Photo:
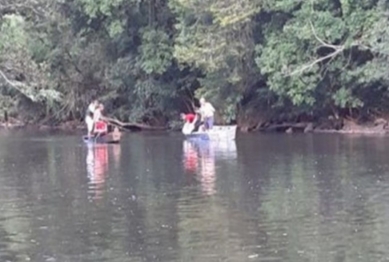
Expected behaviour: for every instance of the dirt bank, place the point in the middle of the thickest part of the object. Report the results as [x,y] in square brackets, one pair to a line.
[341,126]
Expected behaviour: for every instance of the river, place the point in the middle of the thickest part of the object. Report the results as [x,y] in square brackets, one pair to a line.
[156,197]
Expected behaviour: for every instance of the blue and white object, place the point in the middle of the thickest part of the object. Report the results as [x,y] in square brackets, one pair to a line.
[217,133]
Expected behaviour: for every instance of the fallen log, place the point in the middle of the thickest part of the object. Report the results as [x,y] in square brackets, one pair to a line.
[132,126]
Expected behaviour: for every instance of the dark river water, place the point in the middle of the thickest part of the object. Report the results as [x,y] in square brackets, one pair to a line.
[156,197]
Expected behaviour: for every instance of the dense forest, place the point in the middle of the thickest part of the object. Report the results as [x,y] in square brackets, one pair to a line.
[148,60]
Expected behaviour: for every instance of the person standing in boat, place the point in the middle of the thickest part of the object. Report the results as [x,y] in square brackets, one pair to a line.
[207,113]
[89,118]
[101,127]
[197,121]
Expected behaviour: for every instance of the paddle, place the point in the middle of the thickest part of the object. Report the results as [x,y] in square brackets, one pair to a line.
[96,136]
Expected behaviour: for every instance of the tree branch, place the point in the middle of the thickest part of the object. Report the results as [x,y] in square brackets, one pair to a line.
[10,8]
[14,84]
[17,85]
[321,40]
[310,65]
[337,49]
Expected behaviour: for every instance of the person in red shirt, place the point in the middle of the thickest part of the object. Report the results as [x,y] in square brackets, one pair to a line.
[190,122]
[188,118]
[101,127]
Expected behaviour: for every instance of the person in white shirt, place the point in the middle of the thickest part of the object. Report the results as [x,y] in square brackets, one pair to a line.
[89,118]
[98,112]
[207,113]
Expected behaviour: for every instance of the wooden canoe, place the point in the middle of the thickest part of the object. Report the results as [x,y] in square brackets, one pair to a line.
[110,138]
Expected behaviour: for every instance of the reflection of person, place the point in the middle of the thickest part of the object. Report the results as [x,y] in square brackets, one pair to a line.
[97,167]
[208,172]
[207,113]
[205,167]
[190,157]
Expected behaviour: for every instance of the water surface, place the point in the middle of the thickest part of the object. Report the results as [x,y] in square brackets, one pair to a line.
[156,197]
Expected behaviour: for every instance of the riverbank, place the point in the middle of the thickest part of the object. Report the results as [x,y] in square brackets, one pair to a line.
[330,125]
[340,126]
[73,126]
[17,124]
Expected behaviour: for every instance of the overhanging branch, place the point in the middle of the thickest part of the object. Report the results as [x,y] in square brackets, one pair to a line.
[16,85]
[337,50]
[321,59]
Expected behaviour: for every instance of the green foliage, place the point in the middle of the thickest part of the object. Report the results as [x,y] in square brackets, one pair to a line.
[149,60]
[21,73]
[322,52]
[13,35]
[155,51]
[216,37]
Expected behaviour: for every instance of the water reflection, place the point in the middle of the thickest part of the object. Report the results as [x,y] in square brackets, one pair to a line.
[281,198]
[207,171]
[97,160]
[200,157]
[191,157]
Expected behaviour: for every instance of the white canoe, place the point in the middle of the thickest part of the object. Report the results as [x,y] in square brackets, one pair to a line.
[217,133]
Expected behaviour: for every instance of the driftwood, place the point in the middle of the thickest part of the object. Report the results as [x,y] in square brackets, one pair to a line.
[132,126]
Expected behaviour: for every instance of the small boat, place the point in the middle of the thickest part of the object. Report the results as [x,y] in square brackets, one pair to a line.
[110,138]
[217,133]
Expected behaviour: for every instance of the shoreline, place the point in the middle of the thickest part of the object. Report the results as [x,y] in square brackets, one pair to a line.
[380,127]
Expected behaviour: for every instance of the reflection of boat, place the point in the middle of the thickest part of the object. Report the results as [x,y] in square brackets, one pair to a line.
[200,157]
[217,133]
[110,138]
[221,149]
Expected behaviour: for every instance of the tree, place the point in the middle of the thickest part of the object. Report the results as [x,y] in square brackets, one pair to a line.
[217,37]
[21,72]
[319,54]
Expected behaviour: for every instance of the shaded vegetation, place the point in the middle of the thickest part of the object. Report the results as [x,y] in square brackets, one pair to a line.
[257,61]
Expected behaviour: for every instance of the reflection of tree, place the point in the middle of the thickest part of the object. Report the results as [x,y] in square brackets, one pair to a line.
[116,152]
[316,206]
[300,200]
[45,213]
[205,224]
[153,176]
[13,233]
